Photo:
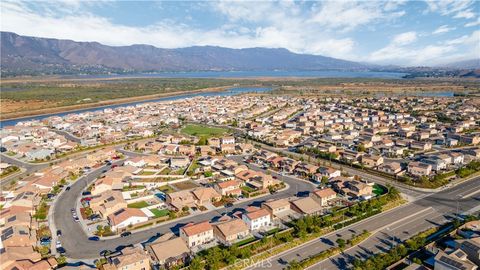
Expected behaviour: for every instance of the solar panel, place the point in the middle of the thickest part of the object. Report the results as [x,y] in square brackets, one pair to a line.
[12,219]
[452,263]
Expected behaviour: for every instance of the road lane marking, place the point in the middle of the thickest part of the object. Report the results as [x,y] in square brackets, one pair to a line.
[402,219]
[470,194]
[408,222]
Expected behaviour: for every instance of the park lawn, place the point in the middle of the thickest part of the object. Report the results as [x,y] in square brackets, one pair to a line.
[201,130]
[140,204]
[159,213]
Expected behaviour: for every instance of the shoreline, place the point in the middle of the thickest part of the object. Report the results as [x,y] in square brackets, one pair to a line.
[106,103]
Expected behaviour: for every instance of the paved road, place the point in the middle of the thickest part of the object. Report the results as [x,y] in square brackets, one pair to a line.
[390,227]
[76,242]
[29,168]
[67,135]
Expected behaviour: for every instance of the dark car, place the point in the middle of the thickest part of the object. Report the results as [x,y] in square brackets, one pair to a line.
[50,195]
[229,204]
[86,193]
[94,238]
[61,250]
[59,233]
[67,189]
[125,234]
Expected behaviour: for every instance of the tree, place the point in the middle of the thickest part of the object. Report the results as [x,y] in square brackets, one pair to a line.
[341,243]
[208,174]
[196,264]
[361,148]
[294,265]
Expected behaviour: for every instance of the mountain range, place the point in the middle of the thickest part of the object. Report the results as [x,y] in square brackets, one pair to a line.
[24,55]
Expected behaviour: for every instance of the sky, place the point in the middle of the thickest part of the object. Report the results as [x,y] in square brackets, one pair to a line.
[408,33]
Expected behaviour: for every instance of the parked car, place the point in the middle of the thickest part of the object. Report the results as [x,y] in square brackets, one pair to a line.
[229,204]
[59,233]
[58,244]
[72,210]
[68,188]
[86,193]
[125,234]
[94,238]
[45,241]
[76,219]
[61,250]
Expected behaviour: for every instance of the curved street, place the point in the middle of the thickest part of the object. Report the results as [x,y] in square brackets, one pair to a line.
[75,240]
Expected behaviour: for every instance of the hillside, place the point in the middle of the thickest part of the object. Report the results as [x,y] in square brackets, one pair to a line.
[22,55]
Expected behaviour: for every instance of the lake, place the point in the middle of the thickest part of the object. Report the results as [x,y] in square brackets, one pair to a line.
[229,92]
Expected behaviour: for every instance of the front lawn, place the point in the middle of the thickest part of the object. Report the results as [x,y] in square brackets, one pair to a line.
[201,130]
[159,213]
[140,204]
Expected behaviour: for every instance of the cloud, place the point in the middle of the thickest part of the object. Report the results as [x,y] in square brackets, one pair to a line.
[465,47]
[474,23]
[348,15]
[443,29]
[404,38]
[465,14]
[330,28]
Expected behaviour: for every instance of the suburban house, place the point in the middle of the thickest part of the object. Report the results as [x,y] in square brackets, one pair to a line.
[419,169]
[323,196]
[204,195]
[179,162]
[372,160]
[169,253]
[230,187]
[306,206]
[256,220]
[231,231]
[197,234]
[180,199]
[276,208]
[327,172]
[131,259]
[108,203]
[456,260]
[126,217]
[391,167]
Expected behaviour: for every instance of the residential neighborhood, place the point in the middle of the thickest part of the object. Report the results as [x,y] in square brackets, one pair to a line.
[163,164]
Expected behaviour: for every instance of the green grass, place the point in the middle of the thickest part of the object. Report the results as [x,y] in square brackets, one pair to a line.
[201,130]
[139,204]
[247,189]
[159,213]
[378,190]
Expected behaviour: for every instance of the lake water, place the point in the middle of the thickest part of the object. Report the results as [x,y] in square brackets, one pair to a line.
[256,74]
[229,92]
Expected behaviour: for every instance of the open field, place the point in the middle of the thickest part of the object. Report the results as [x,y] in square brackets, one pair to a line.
[35,96]
[203,131]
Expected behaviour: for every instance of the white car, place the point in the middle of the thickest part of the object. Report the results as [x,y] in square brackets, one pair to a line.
[58,244]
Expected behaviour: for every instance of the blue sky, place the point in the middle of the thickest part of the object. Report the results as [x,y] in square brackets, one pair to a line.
[384,32]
